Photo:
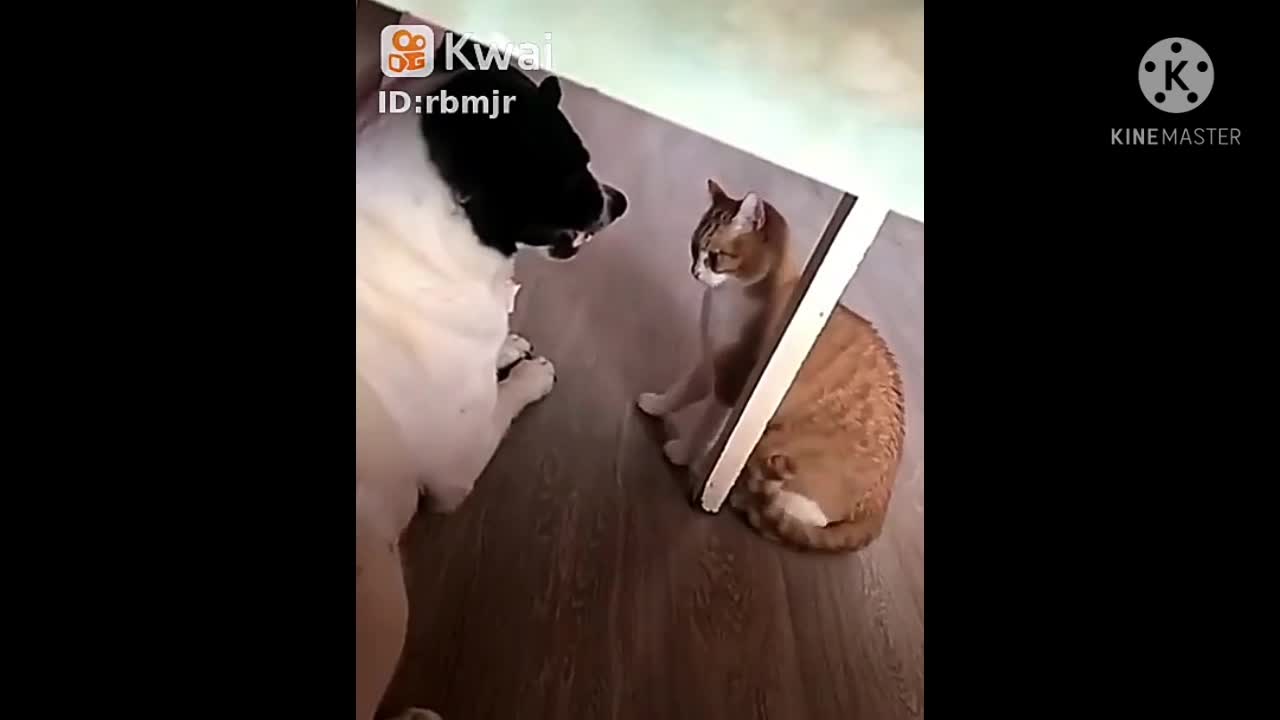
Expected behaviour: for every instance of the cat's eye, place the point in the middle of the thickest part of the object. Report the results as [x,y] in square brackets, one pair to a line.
[716,256]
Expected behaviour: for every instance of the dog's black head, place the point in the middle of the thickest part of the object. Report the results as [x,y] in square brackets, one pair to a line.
[514,162]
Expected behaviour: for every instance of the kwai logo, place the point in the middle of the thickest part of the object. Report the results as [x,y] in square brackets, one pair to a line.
[408,51]
[497,53]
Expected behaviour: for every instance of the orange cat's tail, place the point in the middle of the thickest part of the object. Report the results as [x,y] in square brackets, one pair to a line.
[847,536]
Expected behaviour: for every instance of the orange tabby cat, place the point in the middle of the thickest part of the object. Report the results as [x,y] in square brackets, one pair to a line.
[822,474]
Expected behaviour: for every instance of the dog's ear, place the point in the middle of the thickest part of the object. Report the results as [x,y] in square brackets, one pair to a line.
[550,90]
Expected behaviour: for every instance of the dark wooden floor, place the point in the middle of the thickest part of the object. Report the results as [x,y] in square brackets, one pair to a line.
[578,582]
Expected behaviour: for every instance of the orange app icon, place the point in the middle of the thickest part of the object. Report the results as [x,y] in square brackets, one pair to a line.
[407,50]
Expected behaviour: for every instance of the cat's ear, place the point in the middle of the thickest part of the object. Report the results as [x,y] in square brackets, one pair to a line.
[549,90]
[714,189]
[780,465]
[751,212]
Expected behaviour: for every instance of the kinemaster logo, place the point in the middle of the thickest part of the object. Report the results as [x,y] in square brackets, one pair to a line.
[1176,77]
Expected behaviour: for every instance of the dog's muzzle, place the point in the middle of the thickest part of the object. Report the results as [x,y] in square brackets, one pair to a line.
[615,205]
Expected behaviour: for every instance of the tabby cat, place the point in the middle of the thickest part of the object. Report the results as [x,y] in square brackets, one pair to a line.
[822,475]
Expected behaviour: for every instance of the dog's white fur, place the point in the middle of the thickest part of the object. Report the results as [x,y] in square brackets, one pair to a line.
[432,308]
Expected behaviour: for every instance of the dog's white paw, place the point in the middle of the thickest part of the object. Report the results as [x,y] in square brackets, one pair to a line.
[531,379]
[652,404]
[514,349]
[677,452]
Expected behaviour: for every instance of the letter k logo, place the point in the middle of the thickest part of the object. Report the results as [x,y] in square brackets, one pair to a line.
[1175,75]
[1172,75]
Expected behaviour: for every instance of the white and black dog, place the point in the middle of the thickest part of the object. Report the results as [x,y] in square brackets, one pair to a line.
[443,202]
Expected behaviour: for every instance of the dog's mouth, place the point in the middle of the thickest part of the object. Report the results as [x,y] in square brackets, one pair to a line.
[567,245]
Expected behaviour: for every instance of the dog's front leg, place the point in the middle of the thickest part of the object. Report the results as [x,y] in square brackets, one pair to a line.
[527,382]
[514,349]
[382,616]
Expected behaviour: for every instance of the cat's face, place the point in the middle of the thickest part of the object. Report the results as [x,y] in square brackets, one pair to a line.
[728,243]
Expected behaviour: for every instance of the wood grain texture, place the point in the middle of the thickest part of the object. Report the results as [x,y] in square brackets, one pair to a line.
[578,581]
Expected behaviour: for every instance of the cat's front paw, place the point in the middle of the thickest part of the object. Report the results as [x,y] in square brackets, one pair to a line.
[652,404]
[677,452]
